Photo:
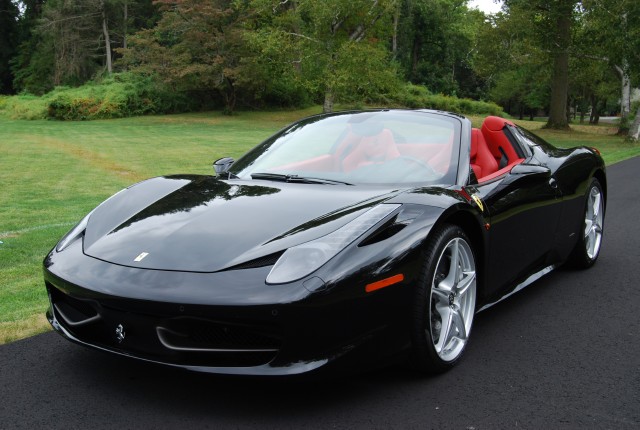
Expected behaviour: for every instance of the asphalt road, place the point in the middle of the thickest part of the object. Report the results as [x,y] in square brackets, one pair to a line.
[564,353]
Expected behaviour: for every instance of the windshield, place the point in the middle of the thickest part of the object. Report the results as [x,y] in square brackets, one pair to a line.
[381,147]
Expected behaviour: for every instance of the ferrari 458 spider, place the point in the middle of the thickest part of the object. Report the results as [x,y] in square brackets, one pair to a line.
[346,238]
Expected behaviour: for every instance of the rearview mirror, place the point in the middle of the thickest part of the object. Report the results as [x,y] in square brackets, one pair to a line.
[222,165]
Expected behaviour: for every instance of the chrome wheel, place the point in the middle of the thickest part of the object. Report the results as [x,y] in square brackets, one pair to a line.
[452,299]
[593,222]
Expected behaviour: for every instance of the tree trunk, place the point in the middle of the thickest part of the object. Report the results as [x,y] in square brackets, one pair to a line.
[107,40]
[596,113]
[625,100]
[394,41]
[327,106]
[594,108]
[634,130]
[560,79]
[229,97]
[415,56]
[124,23]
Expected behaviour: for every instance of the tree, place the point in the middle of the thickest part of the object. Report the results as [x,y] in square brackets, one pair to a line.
[513,63]
[436,45]
[552,21]
[333,47]
[195,46]
[67,42]
[614,28]
[9,33]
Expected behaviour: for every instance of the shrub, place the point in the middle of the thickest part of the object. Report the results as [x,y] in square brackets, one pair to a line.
[24,106]
[418,96]
[119,95]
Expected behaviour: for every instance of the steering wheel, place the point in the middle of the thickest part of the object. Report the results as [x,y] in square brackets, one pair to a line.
[416,161]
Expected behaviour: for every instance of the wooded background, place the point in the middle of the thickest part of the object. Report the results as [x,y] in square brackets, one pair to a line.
[560,58]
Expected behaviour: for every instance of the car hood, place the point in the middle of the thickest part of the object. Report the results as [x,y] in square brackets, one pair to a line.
[203,224]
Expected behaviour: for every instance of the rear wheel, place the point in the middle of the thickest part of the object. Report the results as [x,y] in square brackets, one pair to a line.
[445,301]
[587,249]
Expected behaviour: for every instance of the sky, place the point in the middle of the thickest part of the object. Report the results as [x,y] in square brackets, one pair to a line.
[487,6]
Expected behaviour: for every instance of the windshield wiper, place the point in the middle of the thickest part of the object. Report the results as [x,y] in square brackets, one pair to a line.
[295,179]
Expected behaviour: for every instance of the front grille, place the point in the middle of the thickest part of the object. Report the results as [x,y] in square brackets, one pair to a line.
[199,334]
[180,340]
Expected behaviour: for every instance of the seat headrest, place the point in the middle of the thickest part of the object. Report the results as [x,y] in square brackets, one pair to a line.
[495,123]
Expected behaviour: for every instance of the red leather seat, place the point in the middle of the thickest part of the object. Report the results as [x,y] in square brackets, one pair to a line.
[483,162]
[371,150]
[497,141]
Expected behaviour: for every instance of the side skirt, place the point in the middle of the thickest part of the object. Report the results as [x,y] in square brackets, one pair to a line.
[531,279]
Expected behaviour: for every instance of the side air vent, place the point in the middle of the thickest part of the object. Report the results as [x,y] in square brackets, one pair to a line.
[383,234]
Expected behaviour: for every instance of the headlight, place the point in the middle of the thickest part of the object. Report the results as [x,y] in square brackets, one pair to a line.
[73,234]
[301,260]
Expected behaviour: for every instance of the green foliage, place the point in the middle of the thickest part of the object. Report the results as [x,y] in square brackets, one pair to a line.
[419,97]
[333,48]
[8,39]
[117,96]
[436,45]
[24,106]
[196,46]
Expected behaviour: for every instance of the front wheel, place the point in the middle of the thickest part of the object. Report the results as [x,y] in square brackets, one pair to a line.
[587,249]
[445,301]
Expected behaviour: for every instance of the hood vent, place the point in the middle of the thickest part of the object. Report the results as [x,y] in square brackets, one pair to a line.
[267,260]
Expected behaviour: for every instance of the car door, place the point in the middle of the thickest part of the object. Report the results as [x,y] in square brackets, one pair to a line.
[524,206]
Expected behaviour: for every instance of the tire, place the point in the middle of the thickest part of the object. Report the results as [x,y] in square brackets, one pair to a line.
[587,249]
[445,300]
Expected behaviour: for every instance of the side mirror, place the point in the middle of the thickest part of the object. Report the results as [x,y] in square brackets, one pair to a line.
[222,165]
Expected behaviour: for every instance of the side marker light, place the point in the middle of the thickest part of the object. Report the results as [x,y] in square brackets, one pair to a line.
[384,283]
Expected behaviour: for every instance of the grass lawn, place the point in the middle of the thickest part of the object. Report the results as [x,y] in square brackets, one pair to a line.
[52,173]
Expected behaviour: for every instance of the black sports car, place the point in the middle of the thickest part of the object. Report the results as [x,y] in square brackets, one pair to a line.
[343,239]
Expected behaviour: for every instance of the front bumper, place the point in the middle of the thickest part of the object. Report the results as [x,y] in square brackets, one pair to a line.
[227,323]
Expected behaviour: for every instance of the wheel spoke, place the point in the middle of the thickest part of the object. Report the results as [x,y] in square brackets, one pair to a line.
[452,277]
[458,324]
[468,279]
[440,295]
[445,331]
[596,204]
[588,224]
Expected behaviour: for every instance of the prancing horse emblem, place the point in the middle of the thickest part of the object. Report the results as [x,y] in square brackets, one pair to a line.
[120,333]
[478,202]
[141,256]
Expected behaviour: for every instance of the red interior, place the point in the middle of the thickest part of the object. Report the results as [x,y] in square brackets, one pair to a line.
[357,151]
[492,130]
[482,161]
[371,150]
[486,145]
